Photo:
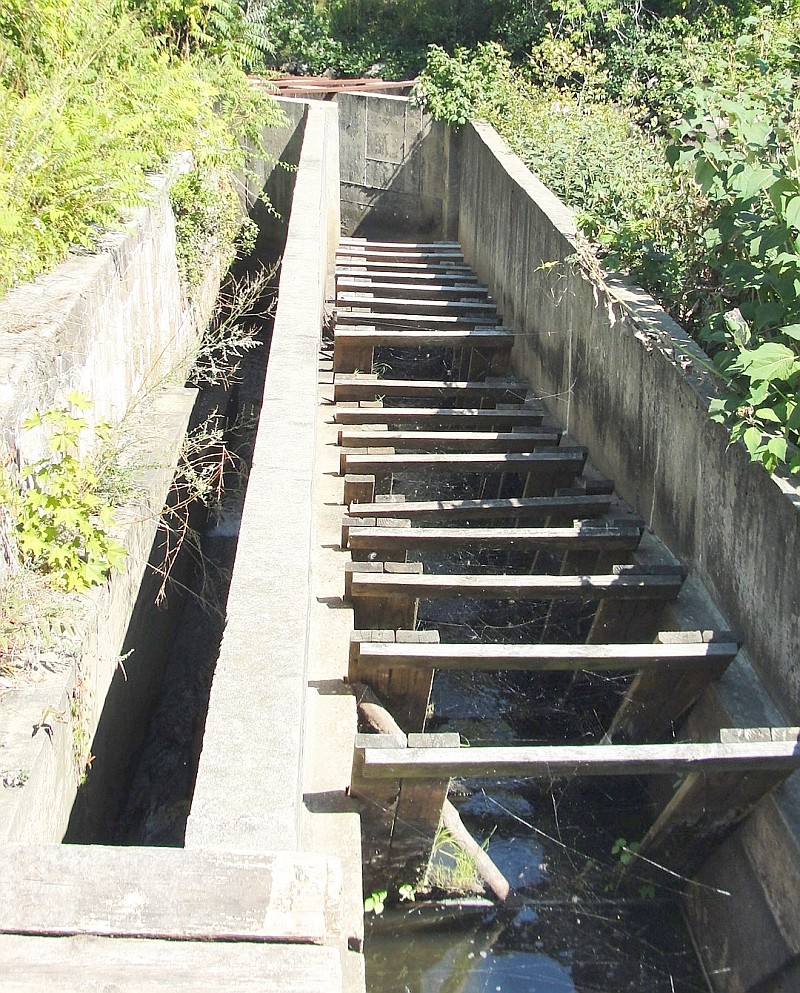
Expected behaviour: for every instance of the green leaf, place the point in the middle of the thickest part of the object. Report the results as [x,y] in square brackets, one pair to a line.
[792,331]
[767,362]
[752,440]
[752,181]
[778,447]
[791,212]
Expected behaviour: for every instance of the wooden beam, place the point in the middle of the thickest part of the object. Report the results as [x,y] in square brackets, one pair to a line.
[406,691]
[430,322]
[370,388]
[390,612]
[367,252]
[87,963]
[453,441]
[167,893]
[539,658]
[430,275]
[352,345]
[656,700]
[380,539]
[474,418]
[354,242]
[706,807]
[562,761]
[553,467]
[529,508]
[411,290]
[368,584]
[397,305]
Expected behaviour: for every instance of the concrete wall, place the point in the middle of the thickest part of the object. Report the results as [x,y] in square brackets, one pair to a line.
[114,325]
[118,326]
[396,164]
[610,364]
[248,792]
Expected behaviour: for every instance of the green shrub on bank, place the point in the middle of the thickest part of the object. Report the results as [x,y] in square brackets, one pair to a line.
[89,102]
[704,214]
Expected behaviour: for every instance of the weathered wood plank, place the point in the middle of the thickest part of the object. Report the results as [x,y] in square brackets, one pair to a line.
[413,337]
[380,539]
[555,761]
[542,658]
[87,964]
[353,242]
[168,893]
[432,275]
[566,462]
[408,290]
[370,388]
[656,700]
[367,252]
[346,266]
[399,305]
[529,508]
[453,441]
[475,418]
[432,322]
[705,807]
[524,587]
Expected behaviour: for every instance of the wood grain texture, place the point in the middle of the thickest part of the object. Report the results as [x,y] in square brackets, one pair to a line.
[546,658]
[349,387]
[518,587]
[453,441]
[125,965]
[528,508]
[521,538]
[169,893]
[475,418]
[554,761]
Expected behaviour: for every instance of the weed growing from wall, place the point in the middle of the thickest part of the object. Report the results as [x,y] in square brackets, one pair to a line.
[60,523]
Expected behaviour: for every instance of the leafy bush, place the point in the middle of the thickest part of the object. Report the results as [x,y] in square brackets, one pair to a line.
[743,153]
[88,104]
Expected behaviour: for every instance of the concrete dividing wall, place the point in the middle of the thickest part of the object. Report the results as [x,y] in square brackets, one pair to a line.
[248,792]
[396,169]
[627,382]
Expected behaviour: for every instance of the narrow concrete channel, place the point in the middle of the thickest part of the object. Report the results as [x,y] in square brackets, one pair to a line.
[487,566]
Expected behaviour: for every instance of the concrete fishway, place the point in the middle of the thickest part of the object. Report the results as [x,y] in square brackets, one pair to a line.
[598,558]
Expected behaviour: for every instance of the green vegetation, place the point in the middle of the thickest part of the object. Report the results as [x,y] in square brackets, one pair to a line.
[671,128]
[61,520]
[93,95]
[675,138]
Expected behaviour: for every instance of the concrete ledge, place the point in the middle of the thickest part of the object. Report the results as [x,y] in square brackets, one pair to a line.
[256,710]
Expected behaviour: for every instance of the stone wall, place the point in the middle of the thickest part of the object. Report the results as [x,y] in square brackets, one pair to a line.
[118,326]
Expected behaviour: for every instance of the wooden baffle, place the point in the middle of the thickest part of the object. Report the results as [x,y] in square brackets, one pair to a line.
[673,671]
[721,781]
[400,817]
[567,541]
